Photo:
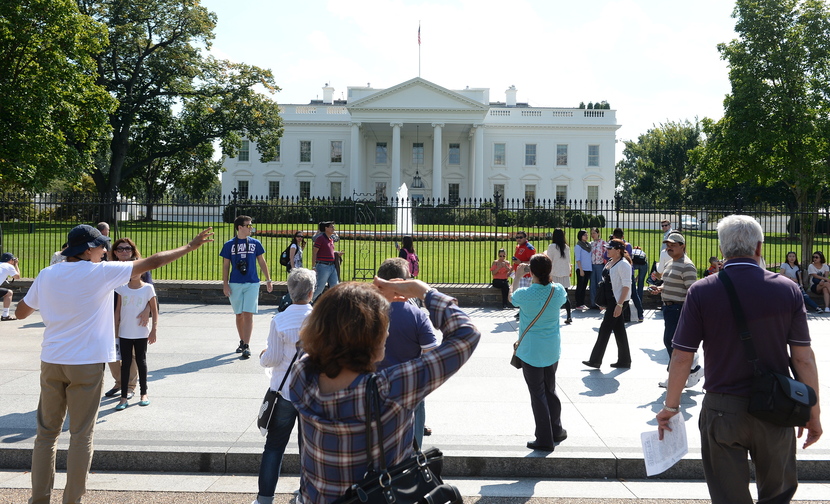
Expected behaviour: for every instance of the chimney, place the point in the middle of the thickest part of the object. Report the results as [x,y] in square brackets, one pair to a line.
[511,96]
[328,94]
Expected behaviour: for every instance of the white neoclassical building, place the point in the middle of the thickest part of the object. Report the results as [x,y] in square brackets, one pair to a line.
[442,143]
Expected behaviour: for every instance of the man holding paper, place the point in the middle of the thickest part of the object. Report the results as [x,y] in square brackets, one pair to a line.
[777,321]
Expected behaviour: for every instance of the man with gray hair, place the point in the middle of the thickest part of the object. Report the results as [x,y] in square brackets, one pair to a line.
[727,431]
[410,333]
[278,357]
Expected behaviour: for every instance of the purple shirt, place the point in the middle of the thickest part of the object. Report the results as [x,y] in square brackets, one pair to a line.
[410,333]
[775,314]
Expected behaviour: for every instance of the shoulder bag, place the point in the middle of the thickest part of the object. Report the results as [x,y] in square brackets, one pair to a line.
[605,290]
[775,398]
[416,480]
[266,417]
[515,361]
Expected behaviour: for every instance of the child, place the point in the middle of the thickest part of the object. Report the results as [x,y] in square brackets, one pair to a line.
[714,266]
[133,299]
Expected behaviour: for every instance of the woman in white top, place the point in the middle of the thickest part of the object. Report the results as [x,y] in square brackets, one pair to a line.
[618,272]
[792,270]
[818,271]
[295,251]
[560,255]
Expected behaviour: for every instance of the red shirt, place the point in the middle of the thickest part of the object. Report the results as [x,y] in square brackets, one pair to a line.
[523,253]
[325,248]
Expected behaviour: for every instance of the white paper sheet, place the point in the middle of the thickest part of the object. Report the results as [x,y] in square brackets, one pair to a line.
[661,455]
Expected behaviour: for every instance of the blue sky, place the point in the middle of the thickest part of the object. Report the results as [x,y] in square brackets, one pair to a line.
[653,60]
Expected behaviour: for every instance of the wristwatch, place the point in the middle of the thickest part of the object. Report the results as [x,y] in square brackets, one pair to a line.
[670,409]
[620,305]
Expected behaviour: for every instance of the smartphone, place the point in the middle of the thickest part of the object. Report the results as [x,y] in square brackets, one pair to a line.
[396,246]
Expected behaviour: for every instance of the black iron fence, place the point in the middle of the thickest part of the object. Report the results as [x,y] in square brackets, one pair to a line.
[455,240]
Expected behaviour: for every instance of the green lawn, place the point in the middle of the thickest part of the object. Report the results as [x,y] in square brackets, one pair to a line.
[451,259]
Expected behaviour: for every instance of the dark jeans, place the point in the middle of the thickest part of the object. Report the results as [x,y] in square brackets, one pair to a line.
[501,283]
[275,443]
[547,409]
[671,316]
[596,277]
[638,278]
[611,323]
[128,346]
[581,284]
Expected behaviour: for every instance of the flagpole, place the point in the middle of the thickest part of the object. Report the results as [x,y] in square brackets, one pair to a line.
[419,48]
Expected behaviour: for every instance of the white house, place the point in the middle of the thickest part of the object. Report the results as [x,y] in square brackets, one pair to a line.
[441,143]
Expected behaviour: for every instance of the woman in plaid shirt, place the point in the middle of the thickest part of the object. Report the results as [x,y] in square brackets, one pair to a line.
[343,338]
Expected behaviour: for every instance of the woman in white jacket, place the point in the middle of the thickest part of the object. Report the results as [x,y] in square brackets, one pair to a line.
[618,272]
[560,255]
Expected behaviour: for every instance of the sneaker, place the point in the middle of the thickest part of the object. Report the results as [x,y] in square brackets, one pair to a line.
[240,347]
[663,384]
[819,310]
[12,317]
[694,377]
[246,353]
[826,310]
[581,307]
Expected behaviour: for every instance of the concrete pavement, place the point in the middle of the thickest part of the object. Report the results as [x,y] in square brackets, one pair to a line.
[204,402]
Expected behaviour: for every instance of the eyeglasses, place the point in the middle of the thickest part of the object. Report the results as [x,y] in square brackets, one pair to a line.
[298,236]
[248,225]
[521,238]
[664,225]
[123,249]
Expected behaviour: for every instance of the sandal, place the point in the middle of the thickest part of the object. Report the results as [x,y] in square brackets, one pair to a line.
[10,317]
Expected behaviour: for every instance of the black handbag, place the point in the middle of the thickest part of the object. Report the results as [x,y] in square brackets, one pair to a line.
[515,361]
[265,418]
[775,398]
[416,480]
[605,291]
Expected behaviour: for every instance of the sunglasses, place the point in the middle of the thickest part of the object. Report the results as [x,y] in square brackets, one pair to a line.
[248,225]
[123,249]
[816,257]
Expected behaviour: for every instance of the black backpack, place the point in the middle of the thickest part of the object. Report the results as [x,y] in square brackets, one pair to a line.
[285,257]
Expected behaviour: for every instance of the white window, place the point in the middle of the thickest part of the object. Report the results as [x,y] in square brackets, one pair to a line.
[562,155]
[593,155]
[530,195]
[242,189]
[274,189]
[380,190]
[454,192]
[305,189]
[561,193]
[454,157]
[380,153]
[499,154]
[279,153]
[336,151]
[245,151]
[305,151]
[418,153]
[530,154]
[593,192]
[336,190]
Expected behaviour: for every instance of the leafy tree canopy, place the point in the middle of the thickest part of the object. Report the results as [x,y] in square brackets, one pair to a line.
[51,111]
[174,100]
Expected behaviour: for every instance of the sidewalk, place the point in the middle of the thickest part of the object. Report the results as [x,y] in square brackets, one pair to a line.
[204,403]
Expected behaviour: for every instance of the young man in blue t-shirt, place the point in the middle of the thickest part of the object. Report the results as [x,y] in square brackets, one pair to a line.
[240,282]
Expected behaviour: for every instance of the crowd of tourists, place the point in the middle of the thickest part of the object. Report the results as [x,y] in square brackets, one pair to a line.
[341,354]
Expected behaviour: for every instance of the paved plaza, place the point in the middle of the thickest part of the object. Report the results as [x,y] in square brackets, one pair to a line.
[200,429]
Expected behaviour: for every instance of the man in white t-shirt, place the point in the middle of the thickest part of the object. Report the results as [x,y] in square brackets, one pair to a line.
[8,269]
[75,302]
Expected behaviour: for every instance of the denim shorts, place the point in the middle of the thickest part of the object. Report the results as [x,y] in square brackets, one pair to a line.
[245,297]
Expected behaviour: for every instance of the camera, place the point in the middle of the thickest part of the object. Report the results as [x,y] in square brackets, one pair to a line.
[242,266]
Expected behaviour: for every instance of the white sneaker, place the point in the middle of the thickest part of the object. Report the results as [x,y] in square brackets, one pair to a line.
[664,383]
[827,310]
[694,377]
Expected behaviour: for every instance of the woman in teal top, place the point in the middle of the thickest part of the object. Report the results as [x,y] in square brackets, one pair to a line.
[539,350]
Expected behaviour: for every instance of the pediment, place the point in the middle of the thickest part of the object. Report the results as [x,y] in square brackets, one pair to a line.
[305,174]
[334,174]
[416,94]
[498,178]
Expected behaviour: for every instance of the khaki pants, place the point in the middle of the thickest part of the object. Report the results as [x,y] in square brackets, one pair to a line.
[76,389]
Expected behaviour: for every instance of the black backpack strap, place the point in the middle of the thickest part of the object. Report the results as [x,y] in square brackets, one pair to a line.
[740,318]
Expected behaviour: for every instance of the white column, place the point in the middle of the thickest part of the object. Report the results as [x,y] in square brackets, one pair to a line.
[396,159]
[354,162]
[437,156]
[478,188]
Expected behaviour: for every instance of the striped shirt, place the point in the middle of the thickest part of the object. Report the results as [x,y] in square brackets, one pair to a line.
[282,344]
[333,454]
[678,276]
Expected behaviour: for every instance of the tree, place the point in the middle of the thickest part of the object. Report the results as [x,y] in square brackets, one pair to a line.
[51,110]
[173,99]
[776,124]
[657,166]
